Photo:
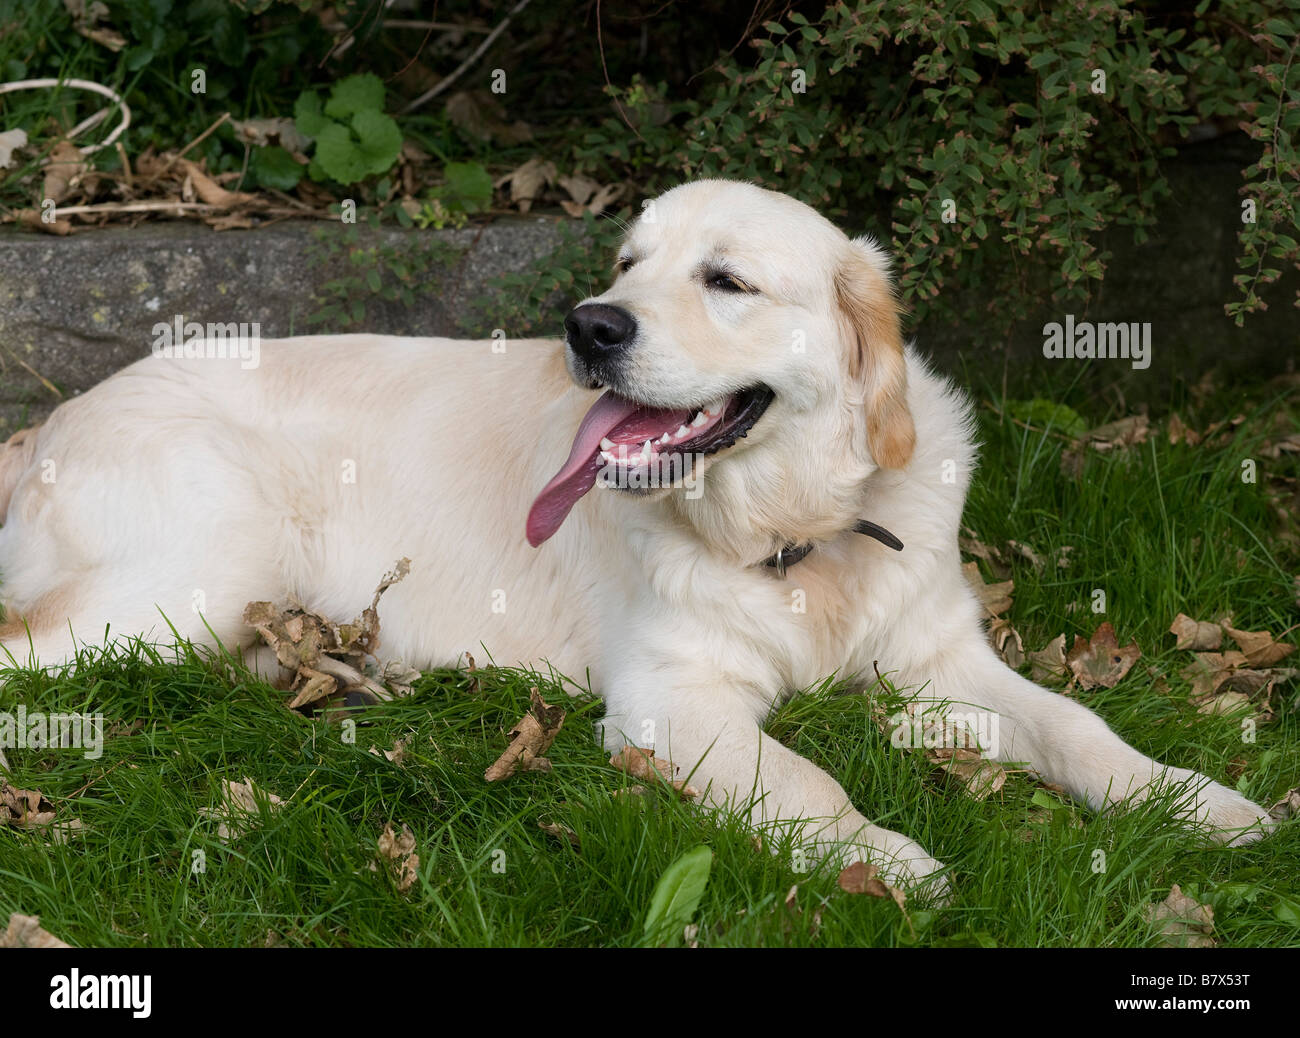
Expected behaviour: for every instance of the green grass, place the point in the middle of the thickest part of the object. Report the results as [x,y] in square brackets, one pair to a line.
[1161,528]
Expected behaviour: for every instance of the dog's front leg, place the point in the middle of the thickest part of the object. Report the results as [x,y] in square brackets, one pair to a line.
[710,730]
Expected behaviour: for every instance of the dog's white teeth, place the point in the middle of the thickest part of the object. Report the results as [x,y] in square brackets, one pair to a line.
[682,432]
[645,451]
[714,409]
[699,419]
[607,444]
[664,438]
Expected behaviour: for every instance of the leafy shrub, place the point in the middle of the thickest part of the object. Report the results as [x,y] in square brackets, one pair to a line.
[1003,140]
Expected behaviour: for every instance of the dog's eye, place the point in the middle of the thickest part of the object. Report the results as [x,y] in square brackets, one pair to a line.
[725,282]
[623,264]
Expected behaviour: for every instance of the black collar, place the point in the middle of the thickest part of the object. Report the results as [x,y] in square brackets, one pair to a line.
[793,553]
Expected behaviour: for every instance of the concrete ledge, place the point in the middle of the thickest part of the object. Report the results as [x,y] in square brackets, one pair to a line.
[74,310]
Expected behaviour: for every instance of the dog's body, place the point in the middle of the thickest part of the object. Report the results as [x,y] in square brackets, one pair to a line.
[184,483]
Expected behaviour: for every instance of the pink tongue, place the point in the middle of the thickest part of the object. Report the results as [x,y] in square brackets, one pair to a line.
[578,475]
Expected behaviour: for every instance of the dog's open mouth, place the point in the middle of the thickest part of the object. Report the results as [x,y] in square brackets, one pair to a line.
[629,439]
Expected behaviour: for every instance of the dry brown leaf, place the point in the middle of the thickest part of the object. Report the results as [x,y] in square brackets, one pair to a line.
[605,197]
[480,114]
[1287,807]
[315,686]
[280,130]
[1005,640]
[86,16]
[398,852]
[1181,922]
[979,776]
[1197,635]
[861,878]
[1286,445]
[1227,426]
[239,808]
[209,191]
[580,188]
[1260,648]
[1126,432]
[1027,553]
[24,808]
[25,931]
[396,755]
[1226,704]
[529,739]
[970,544]
[64,169]
[562,832]
[1181,433]
[641,763]
[995,598]
[1049,661]
[1099,662]
[528,182]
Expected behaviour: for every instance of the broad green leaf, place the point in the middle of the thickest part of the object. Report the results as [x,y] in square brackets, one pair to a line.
[361,93]
[677,895]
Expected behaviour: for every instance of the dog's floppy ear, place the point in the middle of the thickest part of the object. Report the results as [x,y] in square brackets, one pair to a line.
[867,301]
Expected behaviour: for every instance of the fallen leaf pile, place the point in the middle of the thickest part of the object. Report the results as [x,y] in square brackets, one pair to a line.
[530,738]
[239,809]
[28,809]
[327,660]
[954,751]
[641,763]
[397,851]
[1232,680]
[1181,922]
[25,931]
[945,743]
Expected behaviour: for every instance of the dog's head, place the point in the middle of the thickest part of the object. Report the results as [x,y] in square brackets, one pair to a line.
[748,338]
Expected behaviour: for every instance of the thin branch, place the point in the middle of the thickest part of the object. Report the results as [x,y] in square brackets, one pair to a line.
[446,82]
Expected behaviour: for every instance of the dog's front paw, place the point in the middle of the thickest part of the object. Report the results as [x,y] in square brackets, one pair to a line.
[902,863]
[1229,817]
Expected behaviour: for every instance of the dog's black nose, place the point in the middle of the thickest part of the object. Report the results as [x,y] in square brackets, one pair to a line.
[597,332]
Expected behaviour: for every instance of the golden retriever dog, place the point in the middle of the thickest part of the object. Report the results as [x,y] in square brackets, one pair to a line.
[729,481]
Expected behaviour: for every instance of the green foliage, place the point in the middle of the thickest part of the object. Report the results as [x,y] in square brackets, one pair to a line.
[677,896]
[466,189]
[1002,140]
[366,268]
[274,167]
[527,302]
[354,138]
